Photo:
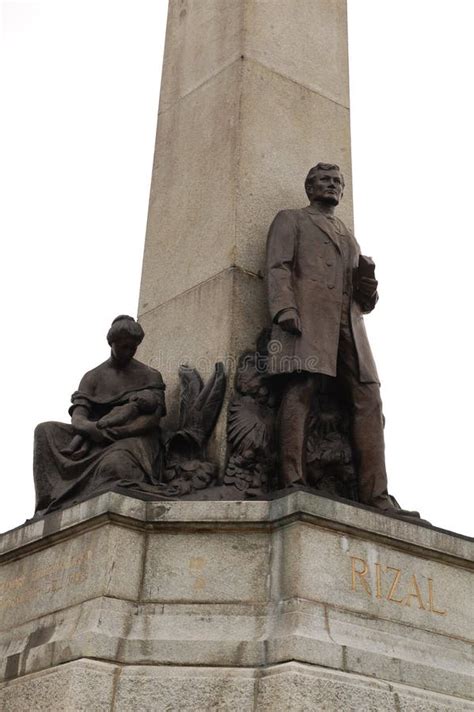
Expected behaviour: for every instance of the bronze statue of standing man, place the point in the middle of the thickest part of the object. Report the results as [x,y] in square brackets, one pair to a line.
[317,297]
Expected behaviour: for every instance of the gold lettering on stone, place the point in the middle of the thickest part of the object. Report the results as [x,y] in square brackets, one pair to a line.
[360,574]
[44,580]
[394,585]
[431,602]
[378,580]
[196,565]
[414,593]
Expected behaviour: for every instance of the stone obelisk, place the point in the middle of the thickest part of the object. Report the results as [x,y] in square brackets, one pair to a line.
[253,94]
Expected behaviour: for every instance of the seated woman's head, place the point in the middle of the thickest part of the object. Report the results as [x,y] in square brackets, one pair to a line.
[124,336]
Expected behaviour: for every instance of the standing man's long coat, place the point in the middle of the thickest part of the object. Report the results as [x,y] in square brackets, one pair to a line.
[307,264]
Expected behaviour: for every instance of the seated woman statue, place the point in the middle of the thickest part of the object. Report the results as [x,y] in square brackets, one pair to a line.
[114,437]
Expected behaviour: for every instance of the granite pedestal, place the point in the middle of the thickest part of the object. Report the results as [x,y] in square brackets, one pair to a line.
[300,603]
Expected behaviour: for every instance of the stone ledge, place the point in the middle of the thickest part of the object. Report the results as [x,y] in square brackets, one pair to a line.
[355,519]
[243,636]
[82,686]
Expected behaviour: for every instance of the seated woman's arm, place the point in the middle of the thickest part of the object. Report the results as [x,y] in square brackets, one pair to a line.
[88,428]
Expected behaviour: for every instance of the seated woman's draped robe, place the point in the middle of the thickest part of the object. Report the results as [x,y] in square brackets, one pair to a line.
[131,462]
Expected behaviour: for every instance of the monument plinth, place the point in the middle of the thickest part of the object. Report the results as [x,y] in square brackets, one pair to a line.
[300,603]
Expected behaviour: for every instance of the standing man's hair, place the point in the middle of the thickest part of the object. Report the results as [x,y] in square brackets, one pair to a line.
[321,167]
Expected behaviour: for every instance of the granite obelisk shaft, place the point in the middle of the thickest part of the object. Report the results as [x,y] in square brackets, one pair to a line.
[250,99]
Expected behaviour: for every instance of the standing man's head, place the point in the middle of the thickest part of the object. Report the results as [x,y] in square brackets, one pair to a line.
[324,184]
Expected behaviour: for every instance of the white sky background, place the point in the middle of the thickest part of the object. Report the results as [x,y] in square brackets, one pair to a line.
[80,89]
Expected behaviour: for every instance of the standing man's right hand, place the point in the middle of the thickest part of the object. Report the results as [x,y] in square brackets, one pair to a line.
[289,321]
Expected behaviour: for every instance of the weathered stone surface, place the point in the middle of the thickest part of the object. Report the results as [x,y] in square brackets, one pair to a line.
[56,524]
[238,584]
[246,145]
[106,561]
[192,201]
[81,686]
[161,690]
[215,306]
[416,592]
[409,700]
[242,635]
[92,686]
[375,646]
[202,39]
[201,567]
[329,513]
[201,327]
[306,42]
[304,689]
[298,687]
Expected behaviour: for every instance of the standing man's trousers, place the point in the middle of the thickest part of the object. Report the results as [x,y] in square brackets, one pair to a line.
[367,424]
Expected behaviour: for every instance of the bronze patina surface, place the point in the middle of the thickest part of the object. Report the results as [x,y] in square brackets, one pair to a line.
[319,288]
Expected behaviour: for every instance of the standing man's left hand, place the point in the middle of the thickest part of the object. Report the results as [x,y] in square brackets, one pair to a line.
[367,286]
